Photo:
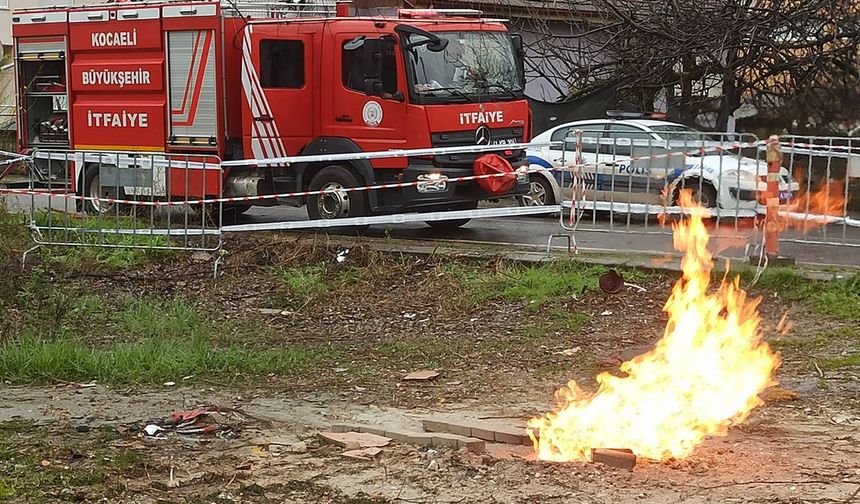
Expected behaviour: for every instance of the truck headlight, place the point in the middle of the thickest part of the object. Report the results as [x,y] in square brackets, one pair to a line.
[522,175]
[433,182]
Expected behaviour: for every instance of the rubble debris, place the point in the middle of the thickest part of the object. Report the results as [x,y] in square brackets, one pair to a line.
[363,454]
[621,458]
[841,419]
[208,419]
[776,395]
[201,256]
[352,438]
[421,376]
[152,429]
[480,430]
[611,282]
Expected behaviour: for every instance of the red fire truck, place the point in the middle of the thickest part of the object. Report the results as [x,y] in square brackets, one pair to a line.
[267,80]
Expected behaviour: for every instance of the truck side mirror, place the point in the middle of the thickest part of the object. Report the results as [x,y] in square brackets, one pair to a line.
[373,87]
[520,54]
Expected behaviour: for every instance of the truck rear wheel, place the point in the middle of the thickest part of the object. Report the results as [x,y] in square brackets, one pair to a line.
[92,187]
[335,202]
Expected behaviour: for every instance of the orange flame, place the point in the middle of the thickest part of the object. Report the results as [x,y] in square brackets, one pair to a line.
[828,200]
[702,377]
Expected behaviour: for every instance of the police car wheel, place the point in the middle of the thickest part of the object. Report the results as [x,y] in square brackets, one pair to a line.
[540,192]
[704,193]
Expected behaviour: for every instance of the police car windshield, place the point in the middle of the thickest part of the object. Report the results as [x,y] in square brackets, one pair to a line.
[479,64]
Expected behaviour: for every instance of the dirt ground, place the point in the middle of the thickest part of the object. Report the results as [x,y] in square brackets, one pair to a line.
[499,360]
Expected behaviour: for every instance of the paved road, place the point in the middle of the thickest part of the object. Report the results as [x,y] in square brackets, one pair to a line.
[594,235]
[601,235]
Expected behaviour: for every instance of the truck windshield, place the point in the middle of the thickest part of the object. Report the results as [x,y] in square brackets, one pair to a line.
[475,66]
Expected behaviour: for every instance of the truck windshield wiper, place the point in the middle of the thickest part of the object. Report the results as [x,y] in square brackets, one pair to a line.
[504,88]
[454,91]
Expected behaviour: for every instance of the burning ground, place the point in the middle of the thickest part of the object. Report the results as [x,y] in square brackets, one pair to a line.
[296,341]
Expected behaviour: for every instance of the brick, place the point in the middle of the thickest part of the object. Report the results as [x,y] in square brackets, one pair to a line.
[615,458]
[421,376]
[369,429]
[474,445]
[460,430]
[435,425]
[349,439]
[483,433]
[511,435]
[419,438]
[446,440]
[372,429]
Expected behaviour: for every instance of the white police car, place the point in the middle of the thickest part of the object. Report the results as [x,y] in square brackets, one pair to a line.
[718,179]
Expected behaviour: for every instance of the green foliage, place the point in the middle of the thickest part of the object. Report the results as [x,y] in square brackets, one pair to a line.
[30,358]
[839,298]
[535,284]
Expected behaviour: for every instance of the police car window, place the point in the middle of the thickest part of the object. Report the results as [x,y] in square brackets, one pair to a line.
[592,131]
[558,136]
[282,64]
[622,131]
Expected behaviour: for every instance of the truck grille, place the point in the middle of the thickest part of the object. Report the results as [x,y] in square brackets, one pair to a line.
[501,136]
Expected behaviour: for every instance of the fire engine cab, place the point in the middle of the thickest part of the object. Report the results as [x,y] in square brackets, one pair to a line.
[267,80]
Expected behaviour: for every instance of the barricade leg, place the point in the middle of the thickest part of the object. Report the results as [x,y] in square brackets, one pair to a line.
[772,223]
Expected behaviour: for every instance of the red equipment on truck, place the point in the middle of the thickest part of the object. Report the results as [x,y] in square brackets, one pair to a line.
[268,80]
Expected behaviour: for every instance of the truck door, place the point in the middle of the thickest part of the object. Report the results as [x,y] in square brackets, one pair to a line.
[276,80]
[367,103]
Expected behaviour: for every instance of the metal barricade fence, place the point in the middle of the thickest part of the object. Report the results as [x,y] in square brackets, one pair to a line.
[125,200]
[636,176]
[626,180]
[826,207]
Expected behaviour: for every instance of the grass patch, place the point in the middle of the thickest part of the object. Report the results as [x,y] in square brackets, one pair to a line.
[308,282]
[439,351]
[841,362]
[156,319]
[533,284]
[559,321]
[839,299]
[424,350]
[99,240]
[33,359]
[44,466]
[814,342]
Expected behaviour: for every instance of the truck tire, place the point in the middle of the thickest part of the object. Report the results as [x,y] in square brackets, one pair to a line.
[704,192]
[235,208]
[450,225]
[91,187]
[336,204]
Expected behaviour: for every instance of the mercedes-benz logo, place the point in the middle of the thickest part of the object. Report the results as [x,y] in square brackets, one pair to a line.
[482,135]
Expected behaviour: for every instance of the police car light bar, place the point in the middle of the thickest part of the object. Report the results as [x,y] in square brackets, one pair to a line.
[436,13]
[621,114]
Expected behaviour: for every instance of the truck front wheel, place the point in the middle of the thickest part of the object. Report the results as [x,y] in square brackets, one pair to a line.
[450,225]
[335,202]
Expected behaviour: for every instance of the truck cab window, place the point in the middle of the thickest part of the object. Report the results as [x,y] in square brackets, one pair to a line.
[282,64]
[358,65]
